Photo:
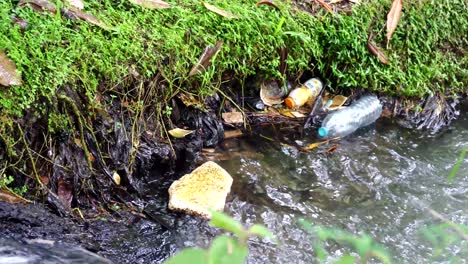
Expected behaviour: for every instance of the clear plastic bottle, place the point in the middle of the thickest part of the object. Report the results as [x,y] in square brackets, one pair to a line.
[345,121]
[301,95]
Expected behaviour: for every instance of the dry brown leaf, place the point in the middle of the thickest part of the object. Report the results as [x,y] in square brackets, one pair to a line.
[233,117]
[337,102]
[374,50]
[331,149]
[78,4]
[9,197]
[393,17]
[64,192]
[268,2]
[179,132]
[219,11]
[38,5]
[325,5]
[232,133]
[205,59]
[152,4]
[316,144]
[8,74]
[86,17]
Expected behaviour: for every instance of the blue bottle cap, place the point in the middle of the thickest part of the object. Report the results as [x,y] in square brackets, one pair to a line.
[323,132]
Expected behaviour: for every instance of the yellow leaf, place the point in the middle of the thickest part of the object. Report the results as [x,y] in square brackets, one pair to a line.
[116,178]
[179,132]
[219,11]
[316,144]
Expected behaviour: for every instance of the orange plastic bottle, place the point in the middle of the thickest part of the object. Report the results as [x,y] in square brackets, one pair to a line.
[300,95]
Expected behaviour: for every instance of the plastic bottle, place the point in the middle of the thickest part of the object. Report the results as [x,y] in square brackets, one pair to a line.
[345,121]
[301,95]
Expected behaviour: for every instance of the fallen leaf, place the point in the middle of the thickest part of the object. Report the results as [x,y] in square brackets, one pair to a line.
[44,179]
[316,144]
[331,149]
[64,192]
[268,2]
[38,5]
[190,100]
[9,197]
[325,5]
[8,74]
[179,132]
[84,16]
[23,24]
[374,50]
[116,178]
[393,17]
[152,4]
[233,117]
[232,133]
[78,4]
[337,102]
[205,59]
[297,114]
[219,11]
[286,112]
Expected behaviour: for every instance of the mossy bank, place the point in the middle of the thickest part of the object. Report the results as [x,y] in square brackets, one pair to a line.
[130,66]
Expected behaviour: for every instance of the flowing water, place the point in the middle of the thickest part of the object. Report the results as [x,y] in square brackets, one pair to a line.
[380,180]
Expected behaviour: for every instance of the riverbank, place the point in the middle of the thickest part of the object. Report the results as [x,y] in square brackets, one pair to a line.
[88,126]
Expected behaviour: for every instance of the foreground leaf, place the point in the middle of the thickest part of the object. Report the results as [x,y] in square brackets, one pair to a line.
[226,250]
[260,231]
[8,74]
[393,17]
[179,132]
[375,51]
[38,5]
[151,4]
[205,59]
[219,11]
[227,223]
[86,17]
[190,255]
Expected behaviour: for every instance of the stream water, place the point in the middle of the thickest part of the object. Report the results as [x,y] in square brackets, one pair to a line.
[381,180]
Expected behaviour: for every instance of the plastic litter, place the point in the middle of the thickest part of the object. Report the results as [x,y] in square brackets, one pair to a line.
[345,121]
[301,95]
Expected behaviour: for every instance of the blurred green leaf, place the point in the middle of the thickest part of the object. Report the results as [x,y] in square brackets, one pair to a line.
[190,255]
[227,250]
[260,231]
[346,259]
[227,223]
[457,165]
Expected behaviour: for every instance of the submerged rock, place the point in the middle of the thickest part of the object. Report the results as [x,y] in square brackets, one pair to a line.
[203,189]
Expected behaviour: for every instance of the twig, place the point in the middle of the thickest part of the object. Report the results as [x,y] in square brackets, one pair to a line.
[33,164]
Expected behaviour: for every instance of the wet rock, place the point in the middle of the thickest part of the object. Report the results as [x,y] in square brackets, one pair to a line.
[203,189]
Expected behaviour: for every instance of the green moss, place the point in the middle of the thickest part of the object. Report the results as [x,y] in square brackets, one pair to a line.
[54,51]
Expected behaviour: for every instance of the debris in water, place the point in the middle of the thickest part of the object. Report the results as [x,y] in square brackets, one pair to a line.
[316,144]
[204,189]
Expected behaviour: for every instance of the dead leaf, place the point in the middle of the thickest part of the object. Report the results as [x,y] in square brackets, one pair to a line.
[331,149]
[232,133]
[84,16]
[38,5]
[205,59]
[219,11]
[325,5]
[233,118]
[393,17]
[337,102]
[8,74]
[64,192]
[78,4]
[374,50]
[297,114]
[151,4]
[23,24]
[268,2]
[316,144]
[9,197]
[286,112]
[179,132]
[44,179]
[116,178]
